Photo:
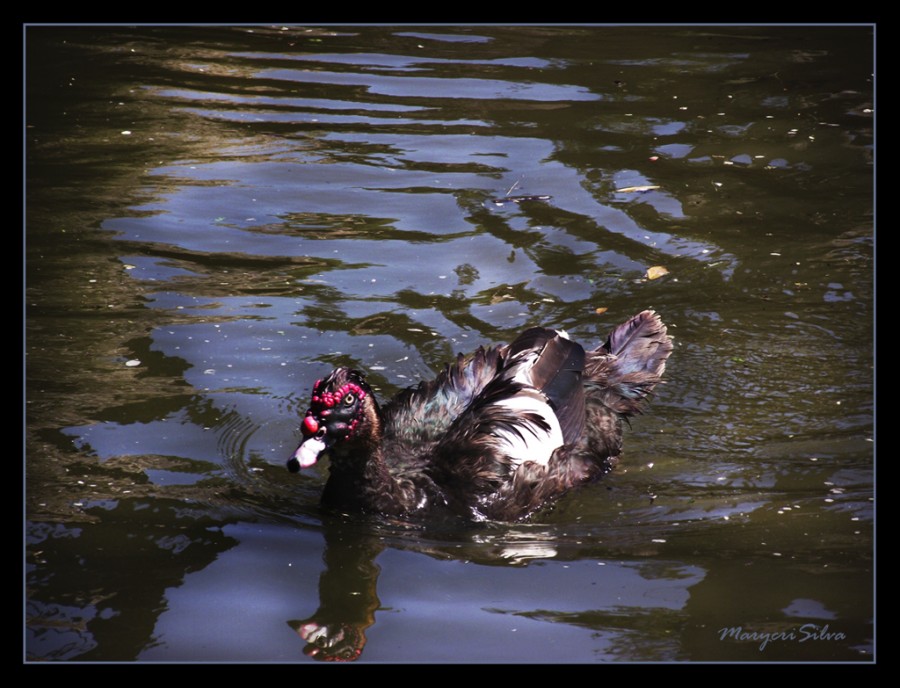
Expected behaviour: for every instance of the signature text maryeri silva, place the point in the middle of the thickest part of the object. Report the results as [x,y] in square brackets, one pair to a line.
[805,633]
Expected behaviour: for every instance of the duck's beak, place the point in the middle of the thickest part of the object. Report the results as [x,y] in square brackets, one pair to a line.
[307,454]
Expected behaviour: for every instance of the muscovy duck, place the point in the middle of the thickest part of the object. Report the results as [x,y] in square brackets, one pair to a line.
[498,435]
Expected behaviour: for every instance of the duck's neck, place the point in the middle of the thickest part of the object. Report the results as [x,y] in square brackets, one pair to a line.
[359,476]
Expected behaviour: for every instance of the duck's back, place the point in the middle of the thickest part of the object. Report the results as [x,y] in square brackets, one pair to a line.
[517,404]
[418,418]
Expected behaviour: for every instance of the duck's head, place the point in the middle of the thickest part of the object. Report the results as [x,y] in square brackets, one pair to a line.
[339,406]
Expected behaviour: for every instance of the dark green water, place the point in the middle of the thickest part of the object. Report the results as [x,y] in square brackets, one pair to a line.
[216,216]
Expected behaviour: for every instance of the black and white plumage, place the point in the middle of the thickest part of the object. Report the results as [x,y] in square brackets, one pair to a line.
[498,434]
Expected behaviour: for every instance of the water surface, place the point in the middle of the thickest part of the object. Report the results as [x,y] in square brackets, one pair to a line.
[216,216]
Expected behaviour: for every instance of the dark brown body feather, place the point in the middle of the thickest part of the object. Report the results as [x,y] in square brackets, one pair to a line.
[463,441]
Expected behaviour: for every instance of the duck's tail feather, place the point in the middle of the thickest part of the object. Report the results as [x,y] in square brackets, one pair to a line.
[631,362]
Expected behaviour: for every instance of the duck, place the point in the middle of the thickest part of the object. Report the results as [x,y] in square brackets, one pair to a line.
[499,434]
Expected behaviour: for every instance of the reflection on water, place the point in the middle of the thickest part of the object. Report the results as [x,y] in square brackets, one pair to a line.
[216,216]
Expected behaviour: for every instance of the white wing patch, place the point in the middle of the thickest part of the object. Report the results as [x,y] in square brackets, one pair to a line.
[535,443]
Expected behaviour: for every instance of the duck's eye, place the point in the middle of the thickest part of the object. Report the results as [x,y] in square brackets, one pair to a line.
[349,398]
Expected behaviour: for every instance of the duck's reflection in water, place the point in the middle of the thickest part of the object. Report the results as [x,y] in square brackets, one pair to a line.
[347,595]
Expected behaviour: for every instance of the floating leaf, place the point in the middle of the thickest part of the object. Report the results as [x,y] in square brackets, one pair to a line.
[656,271]
[633,189]
[499,298]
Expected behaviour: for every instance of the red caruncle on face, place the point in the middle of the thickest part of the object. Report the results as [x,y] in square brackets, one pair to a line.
[326,400]
[328,410]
